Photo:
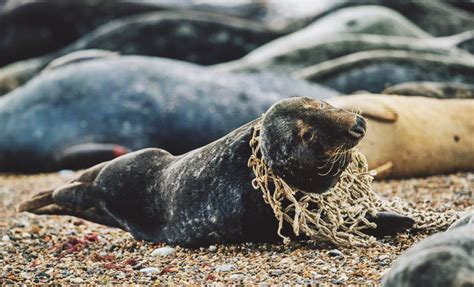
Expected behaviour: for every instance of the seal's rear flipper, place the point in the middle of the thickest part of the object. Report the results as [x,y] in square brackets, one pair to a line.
[77,198]
[75,195]
[389,223]
[71,200]
[88,154]
[39,200]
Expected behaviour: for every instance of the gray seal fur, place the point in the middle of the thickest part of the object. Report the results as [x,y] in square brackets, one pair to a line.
[205,196]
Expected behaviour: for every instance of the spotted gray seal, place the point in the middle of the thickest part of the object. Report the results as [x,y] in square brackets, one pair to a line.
[427,15]
[197,37]
[33,28]
[206,196]
[374,70]
[293,55]
[443,259]
[130,102]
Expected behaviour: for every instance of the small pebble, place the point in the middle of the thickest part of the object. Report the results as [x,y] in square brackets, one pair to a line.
[286,261]
[5,238]
[225,267]
[163,251]
[383,257]
[235,277]
[335,253]
[212,248]
[150,270]
[76,280]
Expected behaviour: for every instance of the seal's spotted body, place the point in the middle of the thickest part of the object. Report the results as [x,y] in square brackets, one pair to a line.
[206,196]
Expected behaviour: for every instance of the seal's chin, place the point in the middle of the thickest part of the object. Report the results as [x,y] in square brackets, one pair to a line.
[336,161]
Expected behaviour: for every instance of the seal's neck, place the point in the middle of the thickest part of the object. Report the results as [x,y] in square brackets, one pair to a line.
[309,180]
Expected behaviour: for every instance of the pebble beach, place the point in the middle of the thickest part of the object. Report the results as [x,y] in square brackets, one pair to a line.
[67,250]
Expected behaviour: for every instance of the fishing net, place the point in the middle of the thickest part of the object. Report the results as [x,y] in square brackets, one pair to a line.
[339,215]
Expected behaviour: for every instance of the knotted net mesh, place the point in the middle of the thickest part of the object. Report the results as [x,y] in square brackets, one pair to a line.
[339,215]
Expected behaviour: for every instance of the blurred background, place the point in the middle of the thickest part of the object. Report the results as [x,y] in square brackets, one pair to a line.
[82,81]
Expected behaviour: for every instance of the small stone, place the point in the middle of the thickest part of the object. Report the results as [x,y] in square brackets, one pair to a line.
[150,270]
[5,238]
[236,277]
[225,267]
[25,235]
[163,251]
[383,257]
[276,272]
[76,280]
[286,261]
[212,248]
[335,253]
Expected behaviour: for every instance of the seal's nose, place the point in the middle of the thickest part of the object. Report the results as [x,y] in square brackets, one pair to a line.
[357,131]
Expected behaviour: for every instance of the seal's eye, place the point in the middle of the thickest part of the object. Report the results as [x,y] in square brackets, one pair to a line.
[308,136]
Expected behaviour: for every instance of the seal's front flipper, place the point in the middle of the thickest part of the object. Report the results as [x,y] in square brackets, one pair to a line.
[389,223]
[86,155]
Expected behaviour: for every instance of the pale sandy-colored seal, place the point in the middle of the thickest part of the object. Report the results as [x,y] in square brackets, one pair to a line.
[415,136]
[206,196]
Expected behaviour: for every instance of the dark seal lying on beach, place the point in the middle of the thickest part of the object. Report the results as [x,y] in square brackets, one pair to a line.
[132,103]
[197,37]
[374,70]
[206,196]
[32,28]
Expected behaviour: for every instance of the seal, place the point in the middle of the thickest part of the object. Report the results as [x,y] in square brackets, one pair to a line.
[52,24]
[373,70]
[443,259]
[427,15]
[206,196]
[291,55]
[130,102]
[414,136]
[432,90]
[197,37]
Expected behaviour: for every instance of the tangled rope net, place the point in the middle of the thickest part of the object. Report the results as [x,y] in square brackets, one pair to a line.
[340,214]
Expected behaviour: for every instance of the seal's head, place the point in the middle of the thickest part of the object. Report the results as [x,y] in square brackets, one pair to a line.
[308,142]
